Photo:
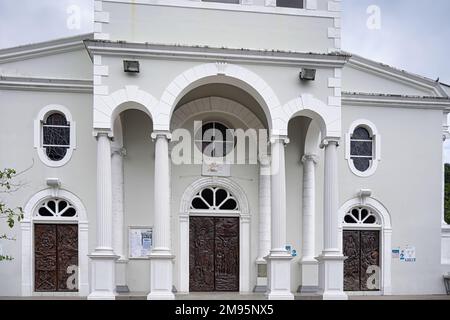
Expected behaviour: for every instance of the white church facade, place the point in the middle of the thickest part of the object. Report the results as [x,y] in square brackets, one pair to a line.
[348,201]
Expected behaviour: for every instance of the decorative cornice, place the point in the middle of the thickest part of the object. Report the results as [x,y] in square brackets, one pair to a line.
[124,49]
[46,84]
[43,48]
[395,101]
[399,75]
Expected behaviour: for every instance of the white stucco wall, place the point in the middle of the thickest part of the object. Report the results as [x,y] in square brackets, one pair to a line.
[407,184]
[217,28]
[16,141]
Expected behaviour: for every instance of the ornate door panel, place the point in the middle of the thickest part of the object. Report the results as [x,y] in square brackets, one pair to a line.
[201,254]
[362,249]
[67,236]
[45,264]
[56,249]
[213,254]
[370,256]
[352,263]
[227,254]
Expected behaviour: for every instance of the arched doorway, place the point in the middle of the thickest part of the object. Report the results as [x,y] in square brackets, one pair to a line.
[365,234]
[214,237]
[54,245]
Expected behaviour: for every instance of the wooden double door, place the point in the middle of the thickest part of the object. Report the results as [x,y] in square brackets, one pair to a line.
[55,257]
[213,254]
[362,266]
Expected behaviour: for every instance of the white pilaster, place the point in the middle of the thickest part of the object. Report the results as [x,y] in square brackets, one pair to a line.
[331,261]
[118,216]
[103,258]
[161,258]
[309,264]
[279,260]
[264,226]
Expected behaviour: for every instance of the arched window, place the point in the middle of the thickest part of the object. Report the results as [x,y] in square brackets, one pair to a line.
[54,135]
[214,198]
[58,208]
[363,148]
[361,216]
[214,139]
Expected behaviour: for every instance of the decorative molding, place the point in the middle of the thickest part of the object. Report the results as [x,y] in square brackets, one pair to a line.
[215,104]
[244,232]
[395,101]
[46,84]
[41,49]
[233,75]
[43,114]
[100,19]
[376,156]
[328,118]
[386,236]
[27,236]
[334,32]
[414,80]
[107,108]
[235,55]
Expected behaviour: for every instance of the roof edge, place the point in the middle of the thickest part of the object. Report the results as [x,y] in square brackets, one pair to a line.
[33,50]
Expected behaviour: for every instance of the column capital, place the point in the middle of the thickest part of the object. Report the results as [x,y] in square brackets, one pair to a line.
[265,161]
[101,132]
[284,139]
[330,140]
[120,151]
[310,157]
[161,134]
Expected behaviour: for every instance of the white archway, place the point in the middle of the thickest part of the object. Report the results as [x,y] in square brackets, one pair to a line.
[215,104]
[107,108]
[27,234]
[244,230]
[386,235]
[328,118]
[219,72]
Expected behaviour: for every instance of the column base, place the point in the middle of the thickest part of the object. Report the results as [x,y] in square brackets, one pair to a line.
[279,276]
[331,276]
[121,275]
[310,274]
[261,278]
[103,276]
[161,277]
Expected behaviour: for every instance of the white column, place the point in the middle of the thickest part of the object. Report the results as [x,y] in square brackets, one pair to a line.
[331,261]
[264,226]
[279,260]
[103,258]
[161,258]
[308,262]
[118,217]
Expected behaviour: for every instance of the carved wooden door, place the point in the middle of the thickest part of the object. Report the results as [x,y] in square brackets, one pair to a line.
[227,254]
[56,257]
[362,250]
[213,254]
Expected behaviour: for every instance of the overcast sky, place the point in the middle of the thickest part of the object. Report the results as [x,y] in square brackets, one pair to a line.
[413,35]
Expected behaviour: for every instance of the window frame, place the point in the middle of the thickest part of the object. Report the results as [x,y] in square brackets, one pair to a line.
[376,147]
[39,135]
[224,141]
